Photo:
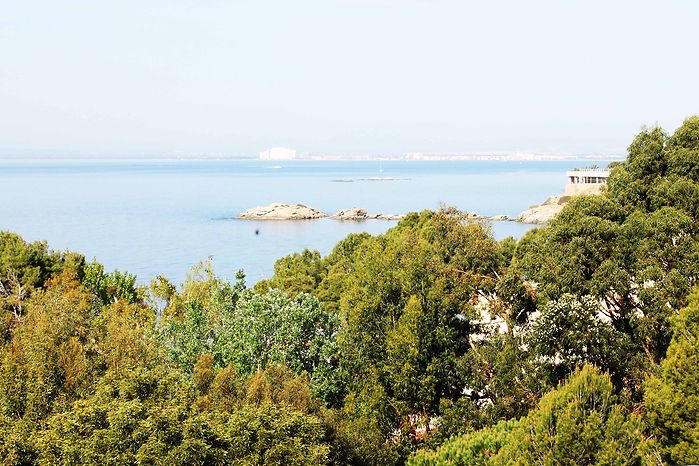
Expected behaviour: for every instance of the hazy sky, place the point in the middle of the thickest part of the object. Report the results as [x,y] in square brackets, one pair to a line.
[178,77]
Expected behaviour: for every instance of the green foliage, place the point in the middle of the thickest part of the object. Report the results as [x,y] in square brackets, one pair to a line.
[199,286]
[24,268]
[295,274]
[85,383]
[124,337]
[162,292]
[49,359]
[579,423]
[571,333]
[340,263]
[113,286]
[475,449]
[672,396]
[635,248]
[507,250]
[405,313]
[186,339]
[277,384]
[275,435]
[358,440]
[250,330]
[503,383]
[146,417]
[32,263]
[309,273]
[272,327]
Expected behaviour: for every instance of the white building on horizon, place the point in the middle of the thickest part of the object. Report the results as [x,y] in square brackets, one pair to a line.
[586,181]
[278,153]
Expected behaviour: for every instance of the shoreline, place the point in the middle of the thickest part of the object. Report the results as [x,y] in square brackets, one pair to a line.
[298,212]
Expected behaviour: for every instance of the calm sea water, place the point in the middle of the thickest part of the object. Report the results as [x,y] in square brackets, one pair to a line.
[163,216]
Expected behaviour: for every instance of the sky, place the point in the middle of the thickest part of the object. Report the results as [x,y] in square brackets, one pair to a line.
[382,77]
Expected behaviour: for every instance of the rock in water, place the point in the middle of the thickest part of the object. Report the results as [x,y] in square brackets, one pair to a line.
[355,213]
[282,212]
[359,213]
[385,217]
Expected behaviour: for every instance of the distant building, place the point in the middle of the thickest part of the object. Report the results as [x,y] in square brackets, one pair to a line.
[585,181]
[278,153]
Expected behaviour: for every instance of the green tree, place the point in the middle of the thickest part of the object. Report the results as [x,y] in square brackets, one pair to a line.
[277,384]
[24,268]
[296,273]
[268,327]
[475,449]
[49,359]
[124,337]
[634,248]
[581,422]
[406,313]
[672,396]
[251,330]
[340,264]
[146,417]
[113,286]
[570,334]
[185,339]
[276,435]
[322,277]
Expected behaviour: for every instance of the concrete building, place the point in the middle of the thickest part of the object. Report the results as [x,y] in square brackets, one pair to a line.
[585,181]
[278,153]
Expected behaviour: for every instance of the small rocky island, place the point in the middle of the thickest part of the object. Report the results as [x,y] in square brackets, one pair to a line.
[278,211]
[359,213]
[282,212]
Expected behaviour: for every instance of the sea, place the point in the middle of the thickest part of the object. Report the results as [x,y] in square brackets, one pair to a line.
[162,216]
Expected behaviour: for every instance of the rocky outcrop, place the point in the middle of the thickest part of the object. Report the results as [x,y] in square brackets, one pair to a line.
[359,213]
[282,212]
[540,214]
[545,212]
[385,217]
[356,213]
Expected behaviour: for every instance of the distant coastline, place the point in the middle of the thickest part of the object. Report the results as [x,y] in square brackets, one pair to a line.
[471,157]
[515,156]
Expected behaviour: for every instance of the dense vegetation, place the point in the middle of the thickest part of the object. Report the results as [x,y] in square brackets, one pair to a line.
[429,344]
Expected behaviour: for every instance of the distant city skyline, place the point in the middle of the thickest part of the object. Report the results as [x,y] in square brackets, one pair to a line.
[180,78]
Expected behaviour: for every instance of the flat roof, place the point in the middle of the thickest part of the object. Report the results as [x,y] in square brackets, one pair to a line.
[588,172]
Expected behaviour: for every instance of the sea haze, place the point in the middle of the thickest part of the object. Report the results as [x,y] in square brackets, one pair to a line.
[153,217]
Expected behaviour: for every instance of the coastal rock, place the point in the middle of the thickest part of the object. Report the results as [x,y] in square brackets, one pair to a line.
[561,199]
[385,217]
[282,212]
[359,213]
[540,214]
[545,212]
[355,213]
[499,218]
